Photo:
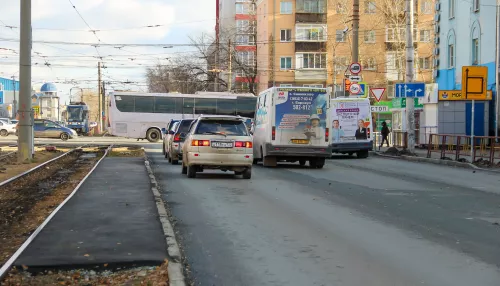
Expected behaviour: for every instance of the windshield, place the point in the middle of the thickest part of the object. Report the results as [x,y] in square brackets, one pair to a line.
[75,114]
[223,127]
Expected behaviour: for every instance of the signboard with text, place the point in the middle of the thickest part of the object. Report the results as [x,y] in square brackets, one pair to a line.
[450,95]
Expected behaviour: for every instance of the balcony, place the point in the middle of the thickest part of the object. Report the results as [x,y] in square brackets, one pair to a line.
[310,18]
[310,75]
[310,11]
[310,46]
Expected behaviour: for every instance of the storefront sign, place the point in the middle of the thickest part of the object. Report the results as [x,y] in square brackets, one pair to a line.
[401,103]
[446,95]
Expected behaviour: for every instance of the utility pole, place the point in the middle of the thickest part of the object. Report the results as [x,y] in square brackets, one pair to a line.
[25,140]
[216,79]
[230,77]
[410,102]
[99,91]
[103,104]
[355,31]
[14,109]
[274,42]
[497,78]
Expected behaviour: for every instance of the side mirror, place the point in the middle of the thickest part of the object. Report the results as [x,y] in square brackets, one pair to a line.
[163,130]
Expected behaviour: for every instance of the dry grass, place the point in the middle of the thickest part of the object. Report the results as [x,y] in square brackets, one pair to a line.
[126,152]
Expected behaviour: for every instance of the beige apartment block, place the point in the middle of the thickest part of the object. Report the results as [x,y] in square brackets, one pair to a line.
[313,42]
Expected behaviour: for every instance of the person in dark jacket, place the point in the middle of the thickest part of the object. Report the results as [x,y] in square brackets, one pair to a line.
[385,134]
[361,132]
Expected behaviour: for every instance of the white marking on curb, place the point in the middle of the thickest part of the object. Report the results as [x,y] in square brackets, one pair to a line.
[175,273]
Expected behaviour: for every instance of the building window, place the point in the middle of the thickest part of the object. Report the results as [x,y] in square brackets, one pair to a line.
[340,8]
[310,61]
[370,36]
[397,33]
[426,7]
[394,61]
[339,36]
[424,63]
[451,8]
[285,7]
[475,51]
[313,85]
[286,35]
[246,58]
[285,63]
[242,26]
[244,8]
[310,33]
[370,7]
[369,64]
[310,6]
[475,4]
[425,36]
[286,85]
[245,39]
[451,56]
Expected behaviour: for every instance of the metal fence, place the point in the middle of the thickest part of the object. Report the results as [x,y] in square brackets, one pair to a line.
[459,147]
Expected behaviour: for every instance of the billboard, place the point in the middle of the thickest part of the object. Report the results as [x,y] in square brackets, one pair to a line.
[301,116]
[350,120]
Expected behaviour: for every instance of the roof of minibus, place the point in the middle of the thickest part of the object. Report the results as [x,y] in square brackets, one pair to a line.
[201,95]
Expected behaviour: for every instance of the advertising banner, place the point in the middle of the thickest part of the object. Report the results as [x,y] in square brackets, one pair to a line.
[301,116]
[350,120]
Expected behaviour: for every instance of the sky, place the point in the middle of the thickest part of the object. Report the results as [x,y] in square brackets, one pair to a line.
[101,25]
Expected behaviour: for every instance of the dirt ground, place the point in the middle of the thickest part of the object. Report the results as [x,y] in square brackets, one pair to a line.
[157,276]
[126,152]
[9,167]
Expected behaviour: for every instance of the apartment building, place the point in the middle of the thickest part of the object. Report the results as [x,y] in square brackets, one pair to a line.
[313,42]
[291,43]
[236,34]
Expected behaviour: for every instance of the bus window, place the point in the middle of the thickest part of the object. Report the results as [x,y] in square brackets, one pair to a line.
[178,105]
[188,106]
[164,105]
[125,103]
[144,104]
[246,106]
[205,105]
[226,107]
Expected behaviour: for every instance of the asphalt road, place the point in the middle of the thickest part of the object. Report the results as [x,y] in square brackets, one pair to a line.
[356,222]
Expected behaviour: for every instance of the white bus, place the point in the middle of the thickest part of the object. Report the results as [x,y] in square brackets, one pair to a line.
[143,115]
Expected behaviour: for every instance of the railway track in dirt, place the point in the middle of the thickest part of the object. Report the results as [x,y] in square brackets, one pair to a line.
[29,200]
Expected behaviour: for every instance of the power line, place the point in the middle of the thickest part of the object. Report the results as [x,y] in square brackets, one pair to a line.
[91,30]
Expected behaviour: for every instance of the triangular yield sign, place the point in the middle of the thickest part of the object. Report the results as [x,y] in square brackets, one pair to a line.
[377,92]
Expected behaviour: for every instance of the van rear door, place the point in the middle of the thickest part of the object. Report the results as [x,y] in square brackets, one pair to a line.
[301,117]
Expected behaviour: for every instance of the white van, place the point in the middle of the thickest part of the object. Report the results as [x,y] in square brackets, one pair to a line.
[292,124]
[351,126]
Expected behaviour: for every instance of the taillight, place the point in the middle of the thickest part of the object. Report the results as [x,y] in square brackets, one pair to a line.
[200,143]
[327,134]
[273,133]
[240,144]
[368,132]
[177,138]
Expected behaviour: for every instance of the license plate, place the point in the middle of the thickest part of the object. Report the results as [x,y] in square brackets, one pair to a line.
[217,144]
[300,141]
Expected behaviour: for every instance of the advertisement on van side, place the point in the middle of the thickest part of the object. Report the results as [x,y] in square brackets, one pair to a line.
[301,116]
[350,120]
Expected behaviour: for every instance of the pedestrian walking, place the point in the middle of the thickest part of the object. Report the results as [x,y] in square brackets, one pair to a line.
[385,134]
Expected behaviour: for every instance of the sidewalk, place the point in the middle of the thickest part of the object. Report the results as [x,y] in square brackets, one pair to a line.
[112,220]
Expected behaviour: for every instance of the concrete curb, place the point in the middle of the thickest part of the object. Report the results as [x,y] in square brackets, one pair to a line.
[175,273]
[435,161]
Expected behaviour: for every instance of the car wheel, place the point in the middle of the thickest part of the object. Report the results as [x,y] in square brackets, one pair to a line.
[184,170]
[302,162]
[166,155]
[64,136]
[4,132]
[191,171]
[362,154]
[163,149]
[153,135]
[169,158]
[247,174]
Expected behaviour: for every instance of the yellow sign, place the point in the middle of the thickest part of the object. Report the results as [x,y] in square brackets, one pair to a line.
[474,79]
[300,141]
[36,110]
[446,95]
